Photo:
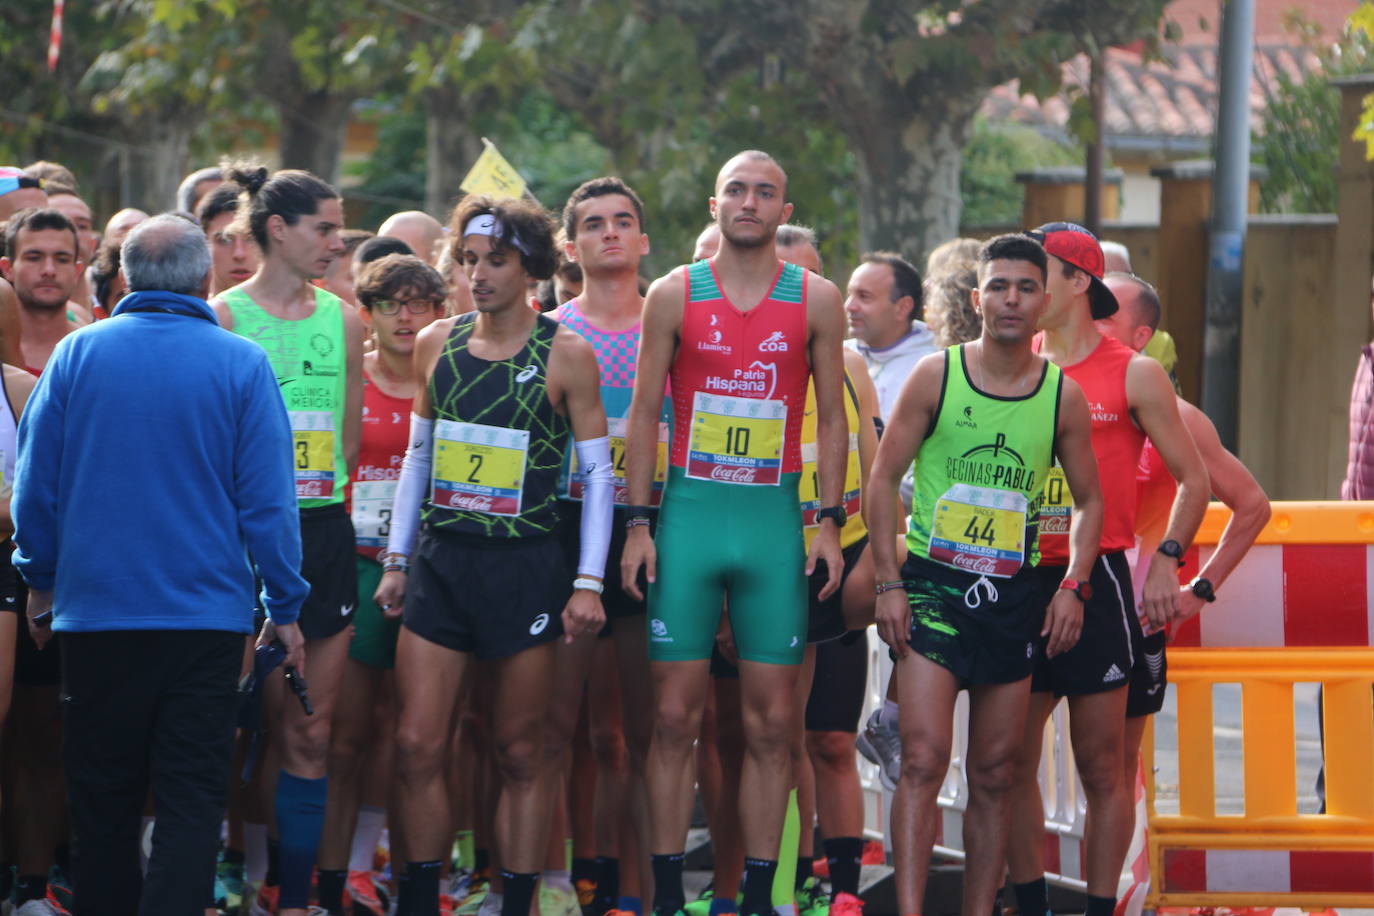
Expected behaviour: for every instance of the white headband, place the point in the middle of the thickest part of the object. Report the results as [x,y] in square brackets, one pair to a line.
[487,224]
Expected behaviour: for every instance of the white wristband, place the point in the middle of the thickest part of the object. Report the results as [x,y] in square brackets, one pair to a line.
[591,585]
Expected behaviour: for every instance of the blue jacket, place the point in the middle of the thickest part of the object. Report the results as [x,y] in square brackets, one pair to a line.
[154,457]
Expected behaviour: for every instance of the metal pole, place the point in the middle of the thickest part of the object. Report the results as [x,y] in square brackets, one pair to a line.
[1093,158]
[1230,187]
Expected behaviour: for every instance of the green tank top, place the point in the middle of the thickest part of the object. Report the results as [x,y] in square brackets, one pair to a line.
[310,360]
[980,474]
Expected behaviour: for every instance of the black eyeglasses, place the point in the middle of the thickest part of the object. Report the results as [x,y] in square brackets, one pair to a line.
[414,306]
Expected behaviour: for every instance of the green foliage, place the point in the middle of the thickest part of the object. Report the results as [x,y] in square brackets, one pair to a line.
[1362,22]
[992,157]
[1300,137]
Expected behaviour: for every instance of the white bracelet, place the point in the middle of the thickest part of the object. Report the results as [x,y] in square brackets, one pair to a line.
[590,585]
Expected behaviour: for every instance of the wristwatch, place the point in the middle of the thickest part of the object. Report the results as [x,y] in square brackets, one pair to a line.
[835,513]
[1173,549]
[1204,589]
[1083,590]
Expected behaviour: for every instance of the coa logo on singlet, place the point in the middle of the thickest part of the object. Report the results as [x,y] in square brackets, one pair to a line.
[773,343]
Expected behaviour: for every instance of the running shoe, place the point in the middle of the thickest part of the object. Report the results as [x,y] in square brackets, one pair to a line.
[369,898]
[881,744]
[491,905]
[586,897]
[846,905]
[874,854]
[557,901]
[229,887]
[59,889]
[811,899]
[471,902]
[459,880]
[702,905]
[265,901]
[43,906]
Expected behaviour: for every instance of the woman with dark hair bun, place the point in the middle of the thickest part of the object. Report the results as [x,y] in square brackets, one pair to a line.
[315,344]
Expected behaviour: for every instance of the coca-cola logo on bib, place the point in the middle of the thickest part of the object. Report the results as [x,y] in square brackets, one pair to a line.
[733,475]
[471,503]
[975,564]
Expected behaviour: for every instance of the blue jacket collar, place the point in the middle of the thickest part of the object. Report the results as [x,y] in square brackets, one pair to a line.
[164,301]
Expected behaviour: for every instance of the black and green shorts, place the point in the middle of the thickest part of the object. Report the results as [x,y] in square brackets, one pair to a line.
[990,642]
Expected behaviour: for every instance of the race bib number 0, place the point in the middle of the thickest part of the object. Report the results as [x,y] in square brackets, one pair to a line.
[616,431]
[312,432]
[479,468]
[979,530]
[372,501]
[736,440]
[810,487]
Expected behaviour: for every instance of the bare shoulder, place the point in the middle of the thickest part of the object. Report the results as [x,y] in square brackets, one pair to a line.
[854,363]
[570,345]
[821,292]
[19,383]
[1146,377]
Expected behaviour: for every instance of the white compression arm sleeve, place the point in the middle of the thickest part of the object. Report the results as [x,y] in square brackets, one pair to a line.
[410,488]
[598,505]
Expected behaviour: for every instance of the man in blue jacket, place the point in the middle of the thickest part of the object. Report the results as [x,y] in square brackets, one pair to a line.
[154,461]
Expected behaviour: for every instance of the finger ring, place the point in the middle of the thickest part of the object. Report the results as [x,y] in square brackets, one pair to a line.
[386,607]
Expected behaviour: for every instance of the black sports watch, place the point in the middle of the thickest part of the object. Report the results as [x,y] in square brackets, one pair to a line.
[1204,589]
[637,512]
[1173,549]
[835,513]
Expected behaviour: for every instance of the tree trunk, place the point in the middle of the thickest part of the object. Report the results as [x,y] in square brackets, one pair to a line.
[451,147]
[908,165]
[312,131]
[152,167]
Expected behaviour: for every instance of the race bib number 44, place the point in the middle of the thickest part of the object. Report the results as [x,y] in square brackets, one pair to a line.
[979,530]
[312,432]
[479,468]
[736,440]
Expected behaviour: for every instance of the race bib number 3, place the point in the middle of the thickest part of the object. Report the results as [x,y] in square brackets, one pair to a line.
[736,440]
[312,432]
[979,530]
[810,487]
[479,468]
[372,501]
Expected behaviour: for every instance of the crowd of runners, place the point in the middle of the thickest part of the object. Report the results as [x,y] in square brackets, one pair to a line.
[583,549]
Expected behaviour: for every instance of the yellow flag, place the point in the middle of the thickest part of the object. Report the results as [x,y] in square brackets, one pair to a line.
[492,175]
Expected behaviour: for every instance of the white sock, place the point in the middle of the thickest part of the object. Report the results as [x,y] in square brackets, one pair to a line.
[371,822]
[557,878]
[254,852]
[889,714]
[145,841]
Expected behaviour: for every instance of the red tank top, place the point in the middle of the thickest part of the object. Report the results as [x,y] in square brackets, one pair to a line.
[1116,442]
[386,426]
[1155,490]
[739,381]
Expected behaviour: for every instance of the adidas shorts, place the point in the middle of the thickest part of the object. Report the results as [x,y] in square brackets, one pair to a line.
[1105,653]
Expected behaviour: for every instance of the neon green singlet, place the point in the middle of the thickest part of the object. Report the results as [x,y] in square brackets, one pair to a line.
[310,360]
[980,473]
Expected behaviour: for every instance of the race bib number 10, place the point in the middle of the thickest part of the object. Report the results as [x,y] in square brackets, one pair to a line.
[312,433]
[979,530]
[479,468]
[736,440]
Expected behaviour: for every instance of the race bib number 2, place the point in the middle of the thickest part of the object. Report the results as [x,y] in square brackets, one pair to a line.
[312,433]
[979,530]
[479,468]
[736,440]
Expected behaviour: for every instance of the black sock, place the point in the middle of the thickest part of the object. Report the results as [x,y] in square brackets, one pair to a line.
[607,883]
[481,861]
[424,887]
[6,880]
[669,897]
[517,892]
[583,870]
[403,895]
[233,856]
[758,887]
[30,887]
[805,869]
[844,855]
[329,885]
[1100,906]
[273,876]
[1031,897]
